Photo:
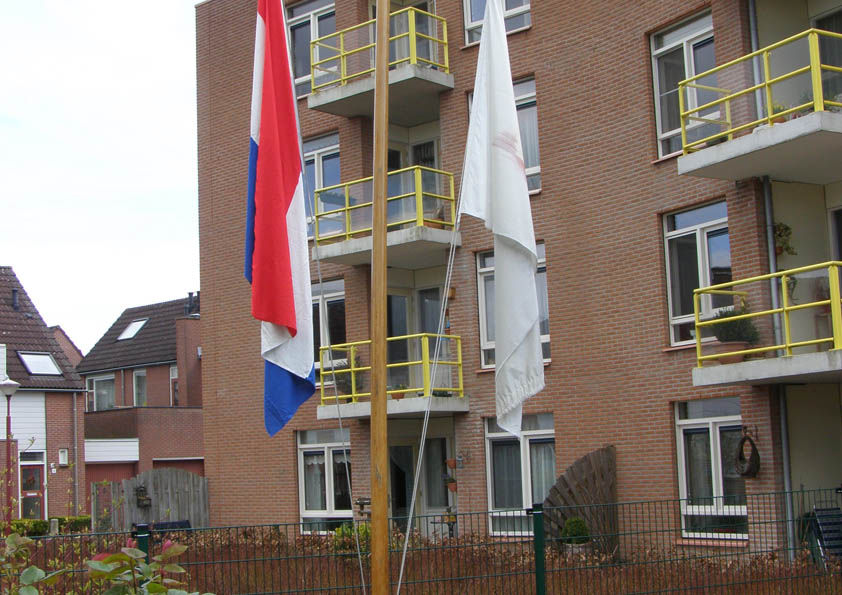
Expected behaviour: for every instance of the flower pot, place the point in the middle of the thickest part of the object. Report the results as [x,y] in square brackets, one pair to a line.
[451,463]
[451,486]
[727,347]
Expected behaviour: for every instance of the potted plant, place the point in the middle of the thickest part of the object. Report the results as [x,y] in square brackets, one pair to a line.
[734,335]
[783,239]
[450,482]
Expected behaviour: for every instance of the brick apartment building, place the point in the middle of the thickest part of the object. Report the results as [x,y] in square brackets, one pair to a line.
[627,228]
[47,411]
[144,393]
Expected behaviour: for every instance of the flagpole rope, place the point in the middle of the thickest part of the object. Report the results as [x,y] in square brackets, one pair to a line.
[346,444]
[433,372]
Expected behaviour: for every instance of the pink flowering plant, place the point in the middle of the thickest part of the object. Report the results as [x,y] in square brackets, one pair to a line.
[128,573]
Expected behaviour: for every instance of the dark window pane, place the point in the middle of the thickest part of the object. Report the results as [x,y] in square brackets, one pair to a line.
[684,273]
[301,49]
[336,321]
[698,216]
[697,466]
[506,472]
[733,485]
[341,475]
[719,262]
[670,73]
[716,524]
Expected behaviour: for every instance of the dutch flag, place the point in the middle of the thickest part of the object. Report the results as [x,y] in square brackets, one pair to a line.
[277,264]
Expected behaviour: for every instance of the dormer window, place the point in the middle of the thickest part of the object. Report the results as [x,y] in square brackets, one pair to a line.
[39,364]
[132,329]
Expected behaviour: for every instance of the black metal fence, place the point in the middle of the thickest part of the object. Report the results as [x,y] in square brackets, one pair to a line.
[743,545]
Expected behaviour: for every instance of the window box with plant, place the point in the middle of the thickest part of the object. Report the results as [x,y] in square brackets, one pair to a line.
[734,334]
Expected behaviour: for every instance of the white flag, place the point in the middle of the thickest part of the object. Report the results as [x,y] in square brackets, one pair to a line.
[494,189]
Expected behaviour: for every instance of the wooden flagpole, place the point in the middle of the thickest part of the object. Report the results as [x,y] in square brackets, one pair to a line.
[379,441]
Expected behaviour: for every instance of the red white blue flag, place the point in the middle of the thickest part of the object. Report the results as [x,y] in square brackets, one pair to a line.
[277,265]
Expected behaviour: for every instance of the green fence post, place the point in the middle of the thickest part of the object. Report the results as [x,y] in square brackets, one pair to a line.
[141,533]
[538,543]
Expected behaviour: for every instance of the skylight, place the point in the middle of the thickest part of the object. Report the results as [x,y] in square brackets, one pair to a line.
[132,329]
[39,364]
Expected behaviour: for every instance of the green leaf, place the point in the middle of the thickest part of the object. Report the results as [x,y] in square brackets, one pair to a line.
[118,590]
[175,568]
[175,549]
[119,557]
[177,592]
[28,590]
[171,581]
[100,566]
[155,588]
[134,553]
[53,577]
[32,575]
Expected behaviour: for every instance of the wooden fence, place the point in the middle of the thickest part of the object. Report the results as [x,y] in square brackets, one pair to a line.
[160,495]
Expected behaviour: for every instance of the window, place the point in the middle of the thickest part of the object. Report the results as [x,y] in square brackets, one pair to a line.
[328,316]
[307,21]
[324,472]
[527,116]
[174,386]
[678,53]
[321,170]
[39,364]
[100,393]
[515,13]
[713,494]
[485,272]
[140,388]
[698,254]
[520,472]
[132,329]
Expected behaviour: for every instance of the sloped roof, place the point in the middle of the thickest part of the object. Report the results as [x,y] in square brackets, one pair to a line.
[153,343]
[23,329]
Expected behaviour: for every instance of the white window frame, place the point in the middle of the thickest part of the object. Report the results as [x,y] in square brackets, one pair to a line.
[475,27]
[322,299]
[132,329]
[313,18]
[688,41]
[528,99]
[327,449]
[34,362]
[173,385]
[137,373]
[482,272]
[523,99]
[525,473]
[713,425]
[318,156]
[90,385]
[701,231]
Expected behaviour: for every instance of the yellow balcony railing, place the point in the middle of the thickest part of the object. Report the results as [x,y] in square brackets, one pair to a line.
[410,368]
[418,38]
[810,313]
[721,102]
[416,196]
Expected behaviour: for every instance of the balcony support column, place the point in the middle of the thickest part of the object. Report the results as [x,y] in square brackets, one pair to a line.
[835,306]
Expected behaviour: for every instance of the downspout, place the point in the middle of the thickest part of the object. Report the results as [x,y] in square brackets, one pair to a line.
[773,289]
[75,459]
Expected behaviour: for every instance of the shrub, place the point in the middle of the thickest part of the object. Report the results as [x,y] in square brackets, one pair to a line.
[344,539]
[30,527]
[735,330]
[575,531]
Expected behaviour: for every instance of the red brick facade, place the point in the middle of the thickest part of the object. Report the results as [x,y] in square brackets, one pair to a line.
[613,378]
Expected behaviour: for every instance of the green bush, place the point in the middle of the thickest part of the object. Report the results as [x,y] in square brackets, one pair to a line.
[344,540]
[735,330]
[30,527]
[74,524]
[575,531]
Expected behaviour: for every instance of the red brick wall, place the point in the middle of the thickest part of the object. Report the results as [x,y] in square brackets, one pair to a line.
[196,466]
[188,341]
[106,472]
[613,376]
[6,478]
[62,494]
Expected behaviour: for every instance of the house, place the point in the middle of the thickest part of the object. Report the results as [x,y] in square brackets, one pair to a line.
[638,198]
[144,393]
[46,411]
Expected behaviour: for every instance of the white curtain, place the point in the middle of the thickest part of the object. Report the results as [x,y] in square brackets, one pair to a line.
[542,461]
[314,481]
[508,486]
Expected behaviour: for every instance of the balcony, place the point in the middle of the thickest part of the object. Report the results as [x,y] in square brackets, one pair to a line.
[798,101]
[135,422]
[809,318]
[421,213]
[415,380]
[342,69]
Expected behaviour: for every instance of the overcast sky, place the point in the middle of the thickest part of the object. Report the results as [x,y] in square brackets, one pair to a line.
[98,191]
